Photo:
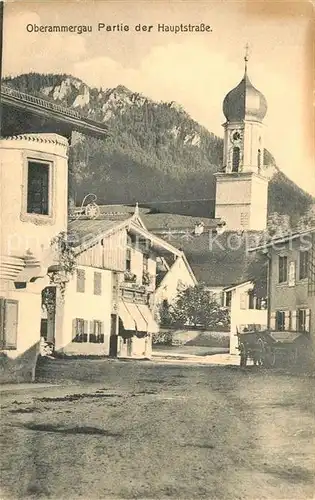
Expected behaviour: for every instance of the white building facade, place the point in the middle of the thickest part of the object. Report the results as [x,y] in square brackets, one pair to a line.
[109,303]
[34,173]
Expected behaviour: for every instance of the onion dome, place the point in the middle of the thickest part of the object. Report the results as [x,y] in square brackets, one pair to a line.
[244,102]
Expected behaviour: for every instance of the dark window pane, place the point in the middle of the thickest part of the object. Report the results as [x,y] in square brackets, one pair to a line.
[280,320]
[38,188]
[304,259]
[283,269]
[236,159]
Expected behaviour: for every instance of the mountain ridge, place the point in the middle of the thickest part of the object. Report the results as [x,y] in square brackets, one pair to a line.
[155,150]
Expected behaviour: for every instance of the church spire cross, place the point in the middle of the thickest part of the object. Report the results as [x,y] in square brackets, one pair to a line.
[246,56]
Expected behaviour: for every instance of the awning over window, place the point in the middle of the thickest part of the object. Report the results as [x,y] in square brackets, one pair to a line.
[142,325]
[153,327]
[137,317]
[126,317]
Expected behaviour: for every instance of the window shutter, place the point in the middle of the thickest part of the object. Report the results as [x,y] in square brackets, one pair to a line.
[294,321]
[85,330]
[273,320]
[243,300]
[91,331]
[11,324]
[287,320]
[97,283]
[74,327]
[292,273]
[308,321]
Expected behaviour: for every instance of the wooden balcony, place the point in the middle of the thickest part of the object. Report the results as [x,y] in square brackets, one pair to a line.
[24,113]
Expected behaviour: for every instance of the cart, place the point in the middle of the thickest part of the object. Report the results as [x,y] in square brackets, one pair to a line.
[270,348]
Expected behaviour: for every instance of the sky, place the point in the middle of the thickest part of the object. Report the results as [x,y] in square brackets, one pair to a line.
[194,69]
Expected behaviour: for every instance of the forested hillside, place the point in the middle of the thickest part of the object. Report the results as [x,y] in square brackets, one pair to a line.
[154,152]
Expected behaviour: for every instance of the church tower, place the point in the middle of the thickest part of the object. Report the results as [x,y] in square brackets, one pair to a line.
[241,188]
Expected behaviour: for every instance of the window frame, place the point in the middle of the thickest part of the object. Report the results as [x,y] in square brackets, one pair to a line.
[282,328]
[26,216]
[128,259]
[81,338]
[97,334]
[251,300]
[228,299]
[302,327]
[38,171]
[284,268]
[304,264]
[78,281]
[95,290]
[145,263]
[236,159]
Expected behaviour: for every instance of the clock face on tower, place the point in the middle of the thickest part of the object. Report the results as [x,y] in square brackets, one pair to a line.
[236,136]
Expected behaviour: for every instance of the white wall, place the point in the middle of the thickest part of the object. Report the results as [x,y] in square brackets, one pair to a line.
[89,307]
[168,289]
[252,132]
[22,232]
[29,315]
[241,201]
[258,217]
[240,316]
[34,232]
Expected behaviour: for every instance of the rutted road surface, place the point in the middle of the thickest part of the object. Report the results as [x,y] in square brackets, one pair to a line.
[114,430]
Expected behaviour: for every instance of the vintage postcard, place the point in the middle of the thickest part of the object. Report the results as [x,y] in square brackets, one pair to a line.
[157,259]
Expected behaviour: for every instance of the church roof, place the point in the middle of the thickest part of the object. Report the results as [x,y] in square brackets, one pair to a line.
[244,102]
[159,222]
[165,221]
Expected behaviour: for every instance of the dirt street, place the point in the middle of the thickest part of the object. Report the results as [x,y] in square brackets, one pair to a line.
[123,430]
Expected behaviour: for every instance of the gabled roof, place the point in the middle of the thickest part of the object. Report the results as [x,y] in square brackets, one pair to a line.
[215,260]
[158,221]
[230,288]
[85,233]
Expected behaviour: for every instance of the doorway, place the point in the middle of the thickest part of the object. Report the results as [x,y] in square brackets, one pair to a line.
[113,341]
[49,306]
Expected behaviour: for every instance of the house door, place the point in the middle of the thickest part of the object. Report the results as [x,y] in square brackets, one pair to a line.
[48,323]
[113,337]
[129,347]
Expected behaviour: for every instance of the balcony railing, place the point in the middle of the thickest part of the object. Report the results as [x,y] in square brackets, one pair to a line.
[8,91]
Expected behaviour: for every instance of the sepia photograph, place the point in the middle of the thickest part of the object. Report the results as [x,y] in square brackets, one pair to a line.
[157,249]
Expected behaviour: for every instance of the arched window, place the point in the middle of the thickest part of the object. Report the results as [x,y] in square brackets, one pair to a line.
[236,159]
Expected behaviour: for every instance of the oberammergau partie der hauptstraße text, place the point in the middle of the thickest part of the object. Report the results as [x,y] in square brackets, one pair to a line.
[102,27]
